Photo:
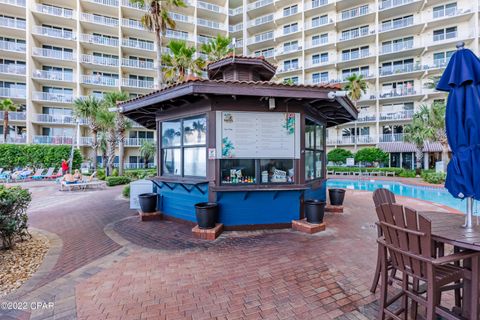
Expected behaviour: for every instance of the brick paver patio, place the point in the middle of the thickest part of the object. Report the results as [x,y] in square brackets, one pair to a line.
[112,266]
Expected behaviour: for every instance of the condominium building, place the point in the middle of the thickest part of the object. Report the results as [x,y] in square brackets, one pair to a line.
[52,51]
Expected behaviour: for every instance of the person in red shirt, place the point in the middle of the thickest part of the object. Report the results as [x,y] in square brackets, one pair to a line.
[64,166]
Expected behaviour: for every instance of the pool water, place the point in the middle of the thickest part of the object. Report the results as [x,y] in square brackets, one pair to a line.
[437,195]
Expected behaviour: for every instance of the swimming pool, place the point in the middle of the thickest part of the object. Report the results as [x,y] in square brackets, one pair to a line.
[437,195]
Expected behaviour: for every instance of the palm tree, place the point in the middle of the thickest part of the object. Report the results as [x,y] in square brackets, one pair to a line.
[147,151]
[122,124]
[417,133]
[106,121]
[103,146]
[88,108]
[157,19]
[181,61]
[6,105]
[355,87]
[217,48]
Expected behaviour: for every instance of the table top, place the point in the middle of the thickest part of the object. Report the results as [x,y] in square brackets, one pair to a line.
[447,228]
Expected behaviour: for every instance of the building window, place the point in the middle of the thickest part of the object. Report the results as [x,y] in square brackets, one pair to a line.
[320,77]
[446,10]
[319,21]
[441,59]
[290,10]
[320,58]
[314,150]
[292,80]
[363,71]
[290,64]
[397,23]
[290,28]
[183,147]
[319,39]
[443,34]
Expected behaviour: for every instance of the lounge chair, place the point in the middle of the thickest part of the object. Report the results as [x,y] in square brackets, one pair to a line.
[50,174]
[389,173]
[5,176]
[90,182]
[38,174]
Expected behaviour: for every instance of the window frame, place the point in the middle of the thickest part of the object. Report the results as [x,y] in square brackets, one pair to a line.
[315,149]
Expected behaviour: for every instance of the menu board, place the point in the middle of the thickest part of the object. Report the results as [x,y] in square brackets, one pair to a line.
[257,135]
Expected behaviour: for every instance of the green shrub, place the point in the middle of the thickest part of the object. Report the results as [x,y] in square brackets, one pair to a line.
[339,155]
[426,172]
[136,174]
[14,202]
[115,181]
[371,155]
[101,174]
[435,178]
[114,172]
[126,191]
[407,173]
[37,155]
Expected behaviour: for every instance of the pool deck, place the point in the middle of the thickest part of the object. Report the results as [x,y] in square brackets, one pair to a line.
[107,264]
[411,181]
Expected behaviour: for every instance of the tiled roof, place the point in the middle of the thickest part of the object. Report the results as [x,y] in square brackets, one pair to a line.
[409,147]
[230,56]
[190,79]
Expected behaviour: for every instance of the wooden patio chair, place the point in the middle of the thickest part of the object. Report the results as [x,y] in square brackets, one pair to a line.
[381,196]
[408,240]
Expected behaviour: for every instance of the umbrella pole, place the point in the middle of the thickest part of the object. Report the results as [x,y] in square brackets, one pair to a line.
[469,219]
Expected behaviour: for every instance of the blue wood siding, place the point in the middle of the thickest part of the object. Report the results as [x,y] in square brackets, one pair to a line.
[318,194]
[178,200]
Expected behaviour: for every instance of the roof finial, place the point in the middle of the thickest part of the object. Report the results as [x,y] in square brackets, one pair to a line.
[460,45]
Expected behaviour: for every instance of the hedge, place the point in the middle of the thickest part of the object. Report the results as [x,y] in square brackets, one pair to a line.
[434,177]
[400,172]
[37,155]
[115,181]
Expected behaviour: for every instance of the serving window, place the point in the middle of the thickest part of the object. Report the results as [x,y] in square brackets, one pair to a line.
[314,150]
[183,147]
[254,171]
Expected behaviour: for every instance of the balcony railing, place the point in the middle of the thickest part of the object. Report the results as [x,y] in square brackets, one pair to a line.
[210,24]
[177,35]
[86,141]
[138,44]
[99,80]
[17,69]
[261,37]
[53,97]
[397,24]
[400,93]
[136,142]
[55,119]
[55,54]
[353,55]
[134,24]
[180,17]
[133,63]
[290,68]
[355,33]
[13,139]
[19,3]
[391,137]
[53,75]
[12,46]
[13,23]
[210,7]
[236,28]
[236,11]
[287,31]
[267,53]
[262,20]
[440,63]
[316,4]
[366,117]
[90,38]
[409,67]
[399,46]
[129,4]
[445,36]
[55,11]
[144,84]
[387,4]
[448,12]
[259,4]
[103,61]
[354,13]
[54,140]
[106,21]
[289,49]
[396,115]
[54,33]
[110,3]
[139,165]
[14,115]
[13,93]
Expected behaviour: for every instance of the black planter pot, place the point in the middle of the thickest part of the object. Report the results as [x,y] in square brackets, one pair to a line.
[314,211]
[148,202]
[207,214]
[336,196]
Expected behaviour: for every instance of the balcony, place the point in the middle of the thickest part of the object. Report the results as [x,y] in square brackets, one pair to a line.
[94,39]
[352,140]
[315,26]
[101,20]
[391,137]
[53,75]
[398,93]
[97,60]
[139,64]
[137,44]
[289,49]
[14,93]
[173,34]
[388,4]
[203,39]
[396,115]
[141,84]
[354,13]
[14,116]
[318,63]
[355,55]
[259,38]
[315,4]
[235,12]
[395,47]
[53,97]
[54,33]
[134,24]
[366,117]
[259,4]
[210,7]
[55,119]
[355,37]
[86,141]
[13,46]
[55,11]
[53,54]
[99,80]
[291,68]
[54,140]
[13,69]
[13,23]
[180,17]
[129,4]
[236,28]
[260,21]
[13,139]
[139,165]
[110,3]
[210,24]
[137,142]
[398,24]
[18,3]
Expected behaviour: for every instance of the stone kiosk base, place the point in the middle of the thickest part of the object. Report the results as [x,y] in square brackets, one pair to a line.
[334,209]
[150,216]
[208,234]
[307,227]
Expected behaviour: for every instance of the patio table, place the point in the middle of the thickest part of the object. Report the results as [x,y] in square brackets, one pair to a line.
[447,228]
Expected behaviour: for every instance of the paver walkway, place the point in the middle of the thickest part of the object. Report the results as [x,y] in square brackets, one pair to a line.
[112,266]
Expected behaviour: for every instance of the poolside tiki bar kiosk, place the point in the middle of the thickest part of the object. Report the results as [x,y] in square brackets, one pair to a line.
[255,147]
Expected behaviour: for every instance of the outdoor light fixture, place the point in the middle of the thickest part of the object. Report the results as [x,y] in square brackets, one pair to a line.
[335,94]
[271,103]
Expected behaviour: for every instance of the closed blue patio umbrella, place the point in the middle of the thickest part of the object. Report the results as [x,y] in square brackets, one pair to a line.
[461,79]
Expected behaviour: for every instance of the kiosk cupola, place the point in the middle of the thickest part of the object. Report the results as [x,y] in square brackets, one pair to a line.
[239,68]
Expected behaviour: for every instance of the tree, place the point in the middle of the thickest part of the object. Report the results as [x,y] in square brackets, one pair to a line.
[417,133]
[157,19]
[355,87]
[147,151]
[7,105]
[106,120]
[371,155]
[88,108]
[181,61]
[217,48]
[339,155]
[122,124]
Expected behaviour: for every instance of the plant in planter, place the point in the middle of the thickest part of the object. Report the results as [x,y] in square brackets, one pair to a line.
[14,202]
